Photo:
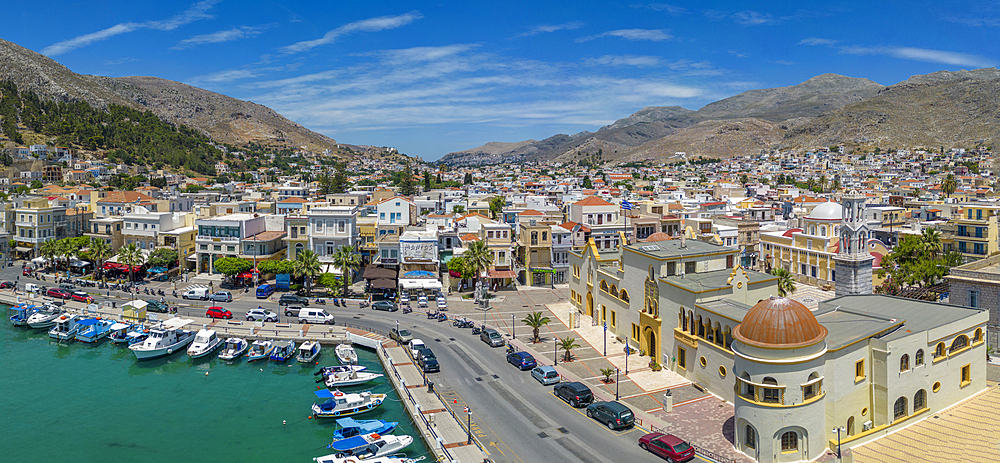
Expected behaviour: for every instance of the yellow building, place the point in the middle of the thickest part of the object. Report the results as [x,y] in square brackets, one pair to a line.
[976,231]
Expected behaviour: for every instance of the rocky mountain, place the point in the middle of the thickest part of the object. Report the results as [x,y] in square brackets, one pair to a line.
[943,108]
[222,118]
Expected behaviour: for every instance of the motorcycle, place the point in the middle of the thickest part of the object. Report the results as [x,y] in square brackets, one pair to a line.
[363,304]
[161,293]
[407,309]
[432,315]
[175,293]
[476,330]
[442,317]
[510,348]
[320,301]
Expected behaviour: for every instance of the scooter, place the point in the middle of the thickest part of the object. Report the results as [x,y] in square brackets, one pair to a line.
[320,301]
[476,330]
[432,315]
[364,303]
[442,317]
[407,309]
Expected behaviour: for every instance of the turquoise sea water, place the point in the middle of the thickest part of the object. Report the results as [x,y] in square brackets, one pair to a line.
[82,403]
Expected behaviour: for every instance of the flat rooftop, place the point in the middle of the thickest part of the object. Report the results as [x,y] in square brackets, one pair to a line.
[677,248]
[712,280]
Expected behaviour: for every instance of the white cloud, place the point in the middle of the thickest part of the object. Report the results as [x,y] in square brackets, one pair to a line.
[924,55]
[623,60]
[227,76]
[654,35]
[227,35]
[663,7]
[196,12]
[754,18]
[817,41]
[425,53]
[548,28]
[365,25]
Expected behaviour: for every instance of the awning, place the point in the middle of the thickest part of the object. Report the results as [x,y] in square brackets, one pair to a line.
[244,275]
[111,265]
[373,272]
[79,263]
[501,274]
[39,260]
[419,274]
[384,283]
[23,249]
[454,273]
[422,283]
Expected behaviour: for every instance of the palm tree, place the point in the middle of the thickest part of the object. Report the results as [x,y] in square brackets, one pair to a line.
[478,259]
[307,266]
[786,284]
[347,260]
[132,256]
[49,250]
[100,251]
[949,185]
[536,321]
[567,345]
[69,250]
[930,241]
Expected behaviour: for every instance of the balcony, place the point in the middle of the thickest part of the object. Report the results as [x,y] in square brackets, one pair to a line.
[218,239]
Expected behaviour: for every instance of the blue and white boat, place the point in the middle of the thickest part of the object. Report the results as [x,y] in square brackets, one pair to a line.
[401,458]
[349,427]
[371,445]
[165,339]
[341,405]
[120,331]
[94,329]
[260,349]
[283,350]
[308,352]
[233,348]
[21,314]
[66,327]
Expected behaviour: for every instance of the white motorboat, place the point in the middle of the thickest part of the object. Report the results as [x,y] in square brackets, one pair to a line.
[205,342]
[164,339]
[346,354]
[385,459]
[308,352]
[352,378]
[340,404]
[260,349]
[66,327]
[45,318]
[371,445]
[233,348]
[338,368]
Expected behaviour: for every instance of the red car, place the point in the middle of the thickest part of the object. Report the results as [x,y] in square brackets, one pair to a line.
[667,446]
[218,312]
[82,297]
[25,272]
[59,292]
[6,285]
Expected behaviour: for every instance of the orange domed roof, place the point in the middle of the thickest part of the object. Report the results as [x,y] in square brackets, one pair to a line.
[779,322]
[658,236]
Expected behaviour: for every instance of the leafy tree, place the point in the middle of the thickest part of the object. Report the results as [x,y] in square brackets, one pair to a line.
[428,181]
[478,258]
[131,255]
[915,262]
[159,182]
[536,321]
[608,373]
[339,182]
[348,260]
[35,184]
[406,185]
[231,266]
[100,251]
[307,266]
[587,183]
[49,250]
[786,283]
[276,266]
[328,280]
[163,257]
[949,185]
[497,204]
[458,209]
[568,345]
[468,178]
[193,188]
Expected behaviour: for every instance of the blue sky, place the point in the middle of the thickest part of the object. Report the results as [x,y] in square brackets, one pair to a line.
[431,78]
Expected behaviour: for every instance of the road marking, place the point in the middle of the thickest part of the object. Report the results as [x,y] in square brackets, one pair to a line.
[480,435]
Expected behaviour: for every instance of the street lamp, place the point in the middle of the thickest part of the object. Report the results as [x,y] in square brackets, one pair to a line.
[555,351]
[468,428]
[512,326]
[616,382]
[605,339]
[626,358]
[838,431]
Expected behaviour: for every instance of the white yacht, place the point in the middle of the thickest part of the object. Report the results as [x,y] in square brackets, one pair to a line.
[233,348]
[45,318]
[164,339]
[346,354]
[66,327]
[205,342]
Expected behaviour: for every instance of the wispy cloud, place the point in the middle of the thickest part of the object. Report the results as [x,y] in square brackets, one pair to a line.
[757,18]
[380,23]
[196,12]
[654,35]
[784,62]
[924,55]
[754,18]
[817,41]
[228,35]
[120,61]
[548,28]
[227,76]
[623,60]
[663,7]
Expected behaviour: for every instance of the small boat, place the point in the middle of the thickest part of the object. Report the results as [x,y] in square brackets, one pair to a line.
[349,427]
[94,329]
[205,342]
[352,378]
[283,350]
[66,327]
[326,371]
[340,404]
[346,354]
[22,313]
[164,339]
[308,352]
[260,349]
[386,459]
[233,348]
[136,334]
[45,318]
[120,331]
[372,445]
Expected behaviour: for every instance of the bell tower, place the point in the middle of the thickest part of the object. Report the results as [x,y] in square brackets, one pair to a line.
[853,261]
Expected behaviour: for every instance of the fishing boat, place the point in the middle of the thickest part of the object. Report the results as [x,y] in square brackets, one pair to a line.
[283,350]
[164,339]
[45,318]
[371,445]
[22,313]
[325,371]
[94,329]
[120,331]
[308,352]
[261,349]
[339,404]
[352,378]
[385,459]
[349,427]
[205,342]
[346,354]
[66,327]
[233,348]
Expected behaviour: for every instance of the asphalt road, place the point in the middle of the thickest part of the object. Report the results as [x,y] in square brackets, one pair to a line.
[515,417]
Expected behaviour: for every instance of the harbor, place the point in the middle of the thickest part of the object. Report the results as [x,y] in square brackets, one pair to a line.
[260,410]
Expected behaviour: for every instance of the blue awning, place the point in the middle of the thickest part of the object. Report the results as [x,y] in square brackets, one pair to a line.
[419,273]
[324,394]
[348,423]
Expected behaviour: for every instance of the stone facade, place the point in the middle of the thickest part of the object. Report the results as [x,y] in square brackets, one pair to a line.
[854,274]
[977,284]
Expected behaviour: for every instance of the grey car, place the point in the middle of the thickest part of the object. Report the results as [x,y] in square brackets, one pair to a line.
[221,296]
[384,305]
[261,314]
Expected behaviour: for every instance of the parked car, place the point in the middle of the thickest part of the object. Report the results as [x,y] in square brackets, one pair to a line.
[58,293]
[315,316]
[156,306]
[200,294]
[401,336]
[81,296]
[545,374]
[521,360]
[265,291]
[33,288]
[427,361]
[6,285]
[614,415]
[221,296]
[668,446]
[25,272]
[576,394]
[388,306]
[425,352]
[218,312]
[261,314]
[291,299]
[415,346]
[491,336]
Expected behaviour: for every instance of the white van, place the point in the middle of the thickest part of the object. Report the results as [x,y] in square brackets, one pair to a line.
[196,293]
[32,288]
[315,316]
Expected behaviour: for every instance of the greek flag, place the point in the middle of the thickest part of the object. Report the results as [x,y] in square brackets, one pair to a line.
[626,205]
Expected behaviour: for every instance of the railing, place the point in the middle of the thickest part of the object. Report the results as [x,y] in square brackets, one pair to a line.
[700,451]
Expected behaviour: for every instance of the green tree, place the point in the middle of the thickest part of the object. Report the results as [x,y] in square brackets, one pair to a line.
[339,182]
[328,280]
[497,204]
[131,255]
[536,321]
[949,185]
[608,373]
[428,181]
[35,184]
[468,178]
[567,345]
[276,266]
[478,259]
[587,184]
[159,182]
[100,251]
[232,266]
[163,257]
[49,249]
[348,260]
[786,283]
[458,209]
[406,185]
[307,266]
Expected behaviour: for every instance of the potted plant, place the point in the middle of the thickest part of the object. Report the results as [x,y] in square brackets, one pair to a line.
[608,373]
[653,365]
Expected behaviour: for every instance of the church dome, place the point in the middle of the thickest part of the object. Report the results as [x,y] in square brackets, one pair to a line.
[827,211]
[779,322]
[658,236]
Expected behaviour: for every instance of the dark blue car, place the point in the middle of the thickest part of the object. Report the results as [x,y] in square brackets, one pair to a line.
[522,360]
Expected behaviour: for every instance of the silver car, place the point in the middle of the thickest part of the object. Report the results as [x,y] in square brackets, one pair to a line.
[221,296]
[546,375]
[261,314]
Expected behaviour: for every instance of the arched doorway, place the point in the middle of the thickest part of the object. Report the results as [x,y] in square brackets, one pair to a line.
[652,346]
[590,304]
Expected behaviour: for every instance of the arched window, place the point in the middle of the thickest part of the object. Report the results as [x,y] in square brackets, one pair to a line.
[772,395]
[812,229]
[960,342]
[822,230]
[918,359]
[750,437]
[920,400]
[812,389]
[850,426]
[604,286]
[939,351]
[978,337]
[613,290]
[709,333]
[789,441]
[701,327]
[746,389]
[624,295]
[904,363]
[899,408]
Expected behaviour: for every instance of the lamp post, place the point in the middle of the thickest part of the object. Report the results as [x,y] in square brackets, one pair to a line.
[512,326]
[838,431]
[555,351]
[605,339]
[616,382]
[468,428]
[626,358]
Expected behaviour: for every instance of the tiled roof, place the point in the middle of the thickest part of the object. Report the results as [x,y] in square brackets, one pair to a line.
[592,201]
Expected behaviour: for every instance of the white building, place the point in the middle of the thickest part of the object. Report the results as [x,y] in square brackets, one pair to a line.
[331,227]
